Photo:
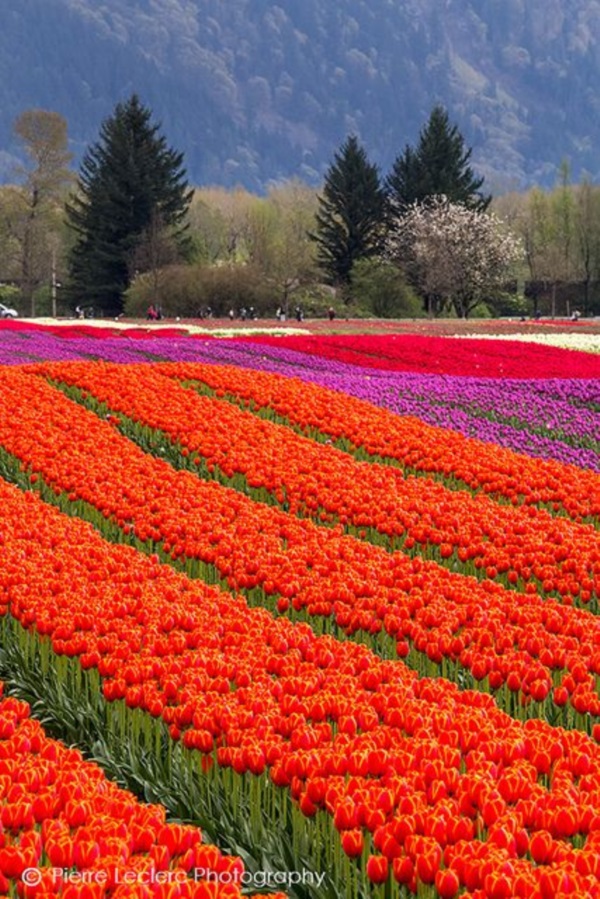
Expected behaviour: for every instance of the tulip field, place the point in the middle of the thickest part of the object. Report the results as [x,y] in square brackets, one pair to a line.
[312,616]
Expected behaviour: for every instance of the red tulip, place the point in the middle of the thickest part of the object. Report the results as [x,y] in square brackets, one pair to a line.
[352,843]
[447,884]
[377,869]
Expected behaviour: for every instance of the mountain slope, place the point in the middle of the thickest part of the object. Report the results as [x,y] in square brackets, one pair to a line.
[254,91]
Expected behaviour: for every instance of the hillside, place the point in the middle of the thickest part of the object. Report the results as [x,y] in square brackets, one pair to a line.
[254,91]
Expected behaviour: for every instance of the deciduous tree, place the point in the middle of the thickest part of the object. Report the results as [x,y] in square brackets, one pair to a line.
[453,255]
[291,262]
[587,237]
[45,178]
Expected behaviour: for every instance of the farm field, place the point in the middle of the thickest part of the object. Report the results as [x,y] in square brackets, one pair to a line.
[311,614]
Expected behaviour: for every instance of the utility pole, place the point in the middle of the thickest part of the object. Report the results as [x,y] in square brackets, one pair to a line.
[54,284]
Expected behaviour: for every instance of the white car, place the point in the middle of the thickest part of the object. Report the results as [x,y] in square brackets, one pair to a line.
[7,312]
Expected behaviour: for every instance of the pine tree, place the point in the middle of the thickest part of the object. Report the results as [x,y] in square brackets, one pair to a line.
[129,180]
[439,165]
[351,215]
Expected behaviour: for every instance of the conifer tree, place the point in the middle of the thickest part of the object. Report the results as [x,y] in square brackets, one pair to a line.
[129,180]
[351,214]
[438,166]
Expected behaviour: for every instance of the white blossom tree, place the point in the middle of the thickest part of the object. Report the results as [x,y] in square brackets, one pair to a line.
[453,255]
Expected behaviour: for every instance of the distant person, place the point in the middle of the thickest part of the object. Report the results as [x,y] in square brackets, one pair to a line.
[231,314]
[151,314]
[331,313]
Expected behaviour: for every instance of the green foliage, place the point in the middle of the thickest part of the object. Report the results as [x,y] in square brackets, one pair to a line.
[350,220]
[207,233]
[9,295]
[33,223]
[382,288]
[316,299]
[129,181]
[507,304]
[439,165]
[481,310]
[188,291]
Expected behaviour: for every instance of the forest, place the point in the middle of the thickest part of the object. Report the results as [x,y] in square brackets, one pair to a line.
[281,249]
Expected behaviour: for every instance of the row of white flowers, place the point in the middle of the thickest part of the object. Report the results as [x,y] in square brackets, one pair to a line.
[588,343]
[183,326]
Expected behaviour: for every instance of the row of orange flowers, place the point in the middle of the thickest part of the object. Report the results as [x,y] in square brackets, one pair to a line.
[514,544]
[525,649]
[68,831]
[407,441]
[410,771]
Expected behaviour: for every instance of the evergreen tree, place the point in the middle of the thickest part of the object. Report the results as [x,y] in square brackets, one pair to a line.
[351,214]
[438,166]
[129,180]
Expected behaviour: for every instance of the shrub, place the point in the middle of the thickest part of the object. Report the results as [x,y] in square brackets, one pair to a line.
[382,288]
[189,291]
[10,296]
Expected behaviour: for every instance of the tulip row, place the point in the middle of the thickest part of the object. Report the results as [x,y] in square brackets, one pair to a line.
[411,352]
[415,446]
[42,345]
[586,342]
[539,657]
[400,392]
[68,831]
[273,463]
[540,407]
[424,396]
[409,772]
[545,418]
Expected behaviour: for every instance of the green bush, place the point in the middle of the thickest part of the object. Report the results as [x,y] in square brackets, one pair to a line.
[482,310]
[381,287]
[10,296]
[189,291]
[509,304]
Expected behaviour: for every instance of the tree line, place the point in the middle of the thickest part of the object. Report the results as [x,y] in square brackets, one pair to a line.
[128,230]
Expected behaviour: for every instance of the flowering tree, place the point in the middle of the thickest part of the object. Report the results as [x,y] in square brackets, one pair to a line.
[452,254]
